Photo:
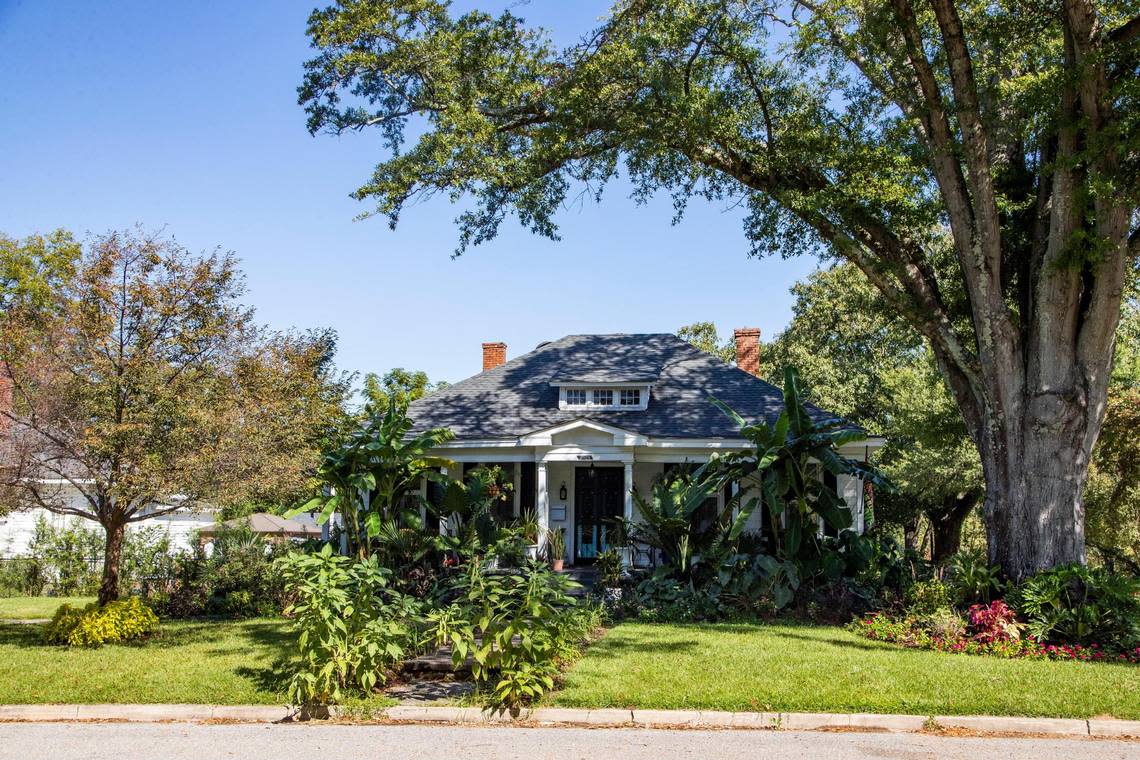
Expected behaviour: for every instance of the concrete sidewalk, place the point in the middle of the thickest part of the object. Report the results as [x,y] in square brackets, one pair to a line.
[611,718]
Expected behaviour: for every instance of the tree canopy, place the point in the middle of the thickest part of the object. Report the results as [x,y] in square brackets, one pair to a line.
[140,384]
[703,335]
[913,138]
[400,385]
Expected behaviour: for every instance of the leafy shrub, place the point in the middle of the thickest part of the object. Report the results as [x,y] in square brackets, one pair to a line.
[973,580]
[148,562]
[994,622]
[1081,605]
[66,560]
[661,598]
[93,626]
[837,602]
[352,626]
[943,624]
[927,597]
[905,631]
[21,576]
[516,627]
[238,579]
[609,568]
[890,570]
[68,556]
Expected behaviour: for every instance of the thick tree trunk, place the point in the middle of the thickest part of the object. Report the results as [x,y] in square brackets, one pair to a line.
[910,535]
[1034,490]
[112,560]
[946,525]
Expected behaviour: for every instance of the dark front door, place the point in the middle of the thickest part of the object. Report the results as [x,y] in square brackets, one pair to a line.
[598,498]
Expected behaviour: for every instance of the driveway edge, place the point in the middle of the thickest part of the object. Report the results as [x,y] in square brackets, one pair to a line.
[562,716]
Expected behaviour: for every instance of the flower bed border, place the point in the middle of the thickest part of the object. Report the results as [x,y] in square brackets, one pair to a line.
[880,626]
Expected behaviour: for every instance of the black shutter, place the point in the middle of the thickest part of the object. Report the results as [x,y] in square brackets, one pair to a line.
[831,483]
[527,487]
[435,501]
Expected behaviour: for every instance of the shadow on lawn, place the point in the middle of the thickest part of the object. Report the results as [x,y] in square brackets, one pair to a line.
[609,647]
[238,635]
[22,635]
[273,679]
[820,636]
[840,641]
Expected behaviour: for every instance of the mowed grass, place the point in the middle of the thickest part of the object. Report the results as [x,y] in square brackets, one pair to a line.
[794,668]
[35,607]
[207,662]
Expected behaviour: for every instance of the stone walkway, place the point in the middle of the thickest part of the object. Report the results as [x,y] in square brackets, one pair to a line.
[427,691]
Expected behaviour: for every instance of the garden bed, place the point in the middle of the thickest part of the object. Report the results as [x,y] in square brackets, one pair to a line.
[790,667]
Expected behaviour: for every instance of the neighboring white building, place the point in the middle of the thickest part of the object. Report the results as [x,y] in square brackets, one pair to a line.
[18,528]
[581,422]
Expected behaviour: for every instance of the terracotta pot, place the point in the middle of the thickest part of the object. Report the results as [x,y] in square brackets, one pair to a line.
[558,565]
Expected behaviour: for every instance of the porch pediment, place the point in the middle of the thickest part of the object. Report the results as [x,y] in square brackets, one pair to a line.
[586,431]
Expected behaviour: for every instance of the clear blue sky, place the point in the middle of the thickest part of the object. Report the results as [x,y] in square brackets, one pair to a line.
[184,115]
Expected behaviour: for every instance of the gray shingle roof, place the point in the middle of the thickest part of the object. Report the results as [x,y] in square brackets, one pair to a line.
[517,398]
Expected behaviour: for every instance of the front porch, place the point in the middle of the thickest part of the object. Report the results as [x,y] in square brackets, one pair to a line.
[578,475]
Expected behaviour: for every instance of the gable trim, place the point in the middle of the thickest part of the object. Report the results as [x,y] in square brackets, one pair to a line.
[622,437]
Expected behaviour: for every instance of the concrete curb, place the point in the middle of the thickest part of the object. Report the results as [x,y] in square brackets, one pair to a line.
[561,716]
[146,713]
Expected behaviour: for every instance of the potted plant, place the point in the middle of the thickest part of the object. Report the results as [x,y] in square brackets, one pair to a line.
[529,527]
[556,547]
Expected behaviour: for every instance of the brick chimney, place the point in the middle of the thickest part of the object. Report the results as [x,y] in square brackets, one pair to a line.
[748,349]
[494,355]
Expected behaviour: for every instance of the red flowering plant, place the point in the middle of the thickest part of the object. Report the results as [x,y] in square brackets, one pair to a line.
[994,622]
[995,635]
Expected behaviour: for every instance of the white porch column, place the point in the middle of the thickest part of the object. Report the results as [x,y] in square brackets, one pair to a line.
[851,489]
[627,511]
[517,482]
[542,503]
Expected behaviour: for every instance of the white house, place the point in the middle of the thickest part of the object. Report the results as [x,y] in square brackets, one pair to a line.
[581,422]
[181,525]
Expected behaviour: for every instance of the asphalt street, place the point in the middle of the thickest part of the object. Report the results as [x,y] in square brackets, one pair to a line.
[186,741]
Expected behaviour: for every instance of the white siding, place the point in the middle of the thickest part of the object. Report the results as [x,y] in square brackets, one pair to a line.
[18,528]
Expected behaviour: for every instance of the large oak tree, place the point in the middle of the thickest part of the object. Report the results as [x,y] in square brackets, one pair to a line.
[1001,137]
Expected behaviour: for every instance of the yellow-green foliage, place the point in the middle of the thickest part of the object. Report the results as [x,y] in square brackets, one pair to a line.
[93,626]
[927,597]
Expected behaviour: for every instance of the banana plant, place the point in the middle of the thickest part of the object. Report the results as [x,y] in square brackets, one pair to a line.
[375,473]
[669,521]
[784,457]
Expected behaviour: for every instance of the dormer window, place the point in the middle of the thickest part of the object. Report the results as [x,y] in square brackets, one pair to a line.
[603,396]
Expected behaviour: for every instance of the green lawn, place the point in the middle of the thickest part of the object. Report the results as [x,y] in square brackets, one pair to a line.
[217,662]
[793,668]
[32,607]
